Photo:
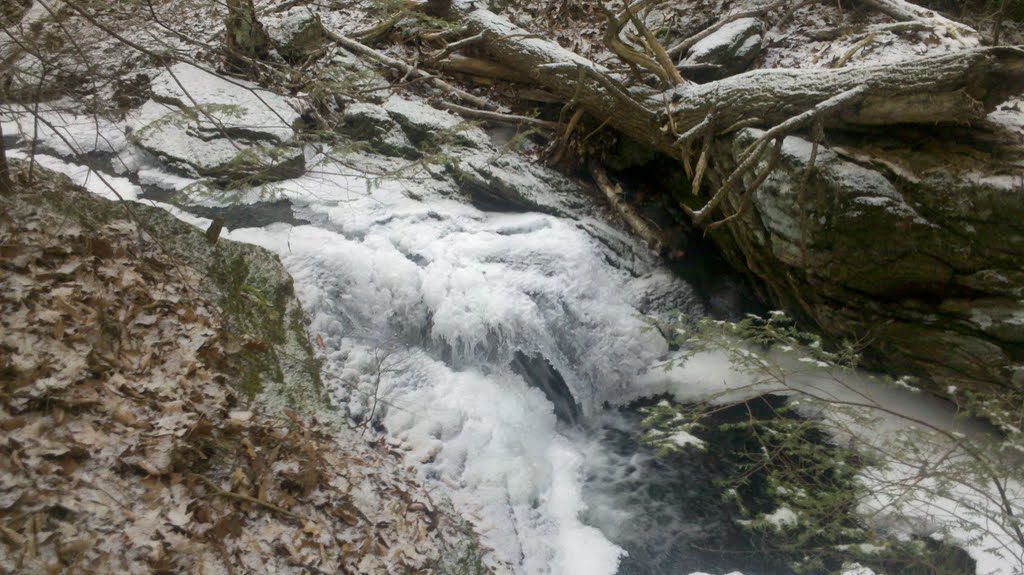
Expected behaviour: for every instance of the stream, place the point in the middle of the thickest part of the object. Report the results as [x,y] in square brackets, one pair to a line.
[496,350]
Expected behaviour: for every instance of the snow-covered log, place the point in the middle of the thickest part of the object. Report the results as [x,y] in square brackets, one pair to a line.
[955,88]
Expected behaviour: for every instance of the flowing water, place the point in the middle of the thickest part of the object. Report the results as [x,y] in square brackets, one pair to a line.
[493,348]
[487,345]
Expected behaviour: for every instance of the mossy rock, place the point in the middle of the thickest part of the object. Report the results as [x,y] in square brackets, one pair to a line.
[274,358]
[913,253]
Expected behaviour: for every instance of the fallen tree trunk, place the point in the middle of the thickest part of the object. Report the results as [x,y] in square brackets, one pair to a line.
[955,88]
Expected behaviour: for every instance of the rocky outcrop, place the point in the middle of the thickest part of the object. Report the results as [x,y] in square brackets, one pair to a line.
[371,123]
[919,255]
[205,125]
[297,33]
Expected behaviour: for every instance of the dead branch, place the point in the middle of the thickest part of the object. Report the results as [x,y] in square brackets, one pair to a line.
[654,238]
[409,70]
[662,57]
[499,117]
[631,55]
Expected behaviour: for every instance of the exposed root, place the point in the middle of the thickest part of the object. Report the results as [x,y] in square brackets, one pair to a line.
[632,56]
[660,55]
[752,154]
[748,195]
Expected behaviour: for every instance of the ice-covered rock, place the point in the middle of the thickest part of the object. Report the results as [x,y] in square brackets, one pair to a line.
[203,124]
[372,124]
[425,124]
[507,182]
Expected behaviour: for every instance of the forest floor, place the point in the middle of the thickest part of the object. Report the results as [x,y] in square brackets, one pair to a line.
[125,446]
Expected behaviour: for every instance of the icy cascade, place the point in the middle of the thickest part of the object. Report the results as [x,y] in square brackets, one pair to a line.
[420,303]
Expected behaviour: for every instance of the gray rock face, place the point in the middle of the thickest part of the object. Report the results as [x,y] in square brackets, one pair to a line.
[296,32]
[507,182]
[208,126]
[926,266]
[372,124]
[729,50]
[426,125]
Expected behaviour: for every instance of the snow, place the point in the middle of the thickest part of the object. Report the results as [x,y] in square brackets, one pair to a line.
[900,501]
[61,131]
[728,35]
[502,27]
[231,105]
[857,569]
[682,439]
[781,517]
[394,284]
[421,303]
[105,185]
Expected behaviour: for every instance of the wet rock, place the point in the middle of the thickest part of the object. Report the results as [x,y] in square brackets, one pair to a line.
[204,125]
[922,265]
[727,51]
[509,183]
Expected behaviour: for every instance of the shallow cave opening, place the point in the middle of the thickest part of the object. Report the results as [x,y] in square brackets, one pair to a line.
[656,186]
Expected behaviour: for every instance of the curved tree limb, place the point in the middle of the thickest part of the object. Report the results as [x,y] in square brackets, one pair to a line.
[954,88]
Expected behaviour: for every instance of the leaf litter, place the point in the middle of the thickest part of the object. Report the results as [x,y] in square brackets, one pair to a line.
[124,447]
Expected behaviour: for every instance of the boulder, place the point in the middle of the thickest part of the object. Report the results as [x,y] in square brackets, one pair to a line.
[297,33]
[727,51]
[921,257]
[508,183]
[372,124]
[426,125]
[205,125]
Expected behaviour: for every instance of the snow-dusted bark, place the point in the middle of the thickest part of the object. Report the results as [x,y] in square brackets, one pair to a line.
[954,88]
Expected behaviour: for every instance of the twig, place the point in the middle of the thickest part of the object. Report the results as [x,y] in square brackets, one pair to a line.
[456,46]
[359,48]
[853,50]
[218,492]
[748,195]
[655,46]
[564,140]
[497,116]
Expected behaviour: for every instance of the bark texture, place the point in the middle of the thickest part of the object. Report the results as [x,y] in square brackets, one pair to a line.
[246,38]
[955,88]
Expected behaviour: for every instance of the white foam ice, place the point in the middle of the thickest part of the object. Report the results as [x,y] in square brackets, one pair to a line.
[421,300]
[421,305]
